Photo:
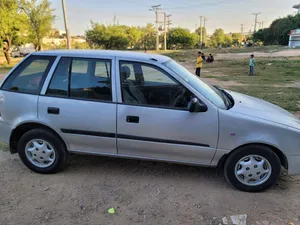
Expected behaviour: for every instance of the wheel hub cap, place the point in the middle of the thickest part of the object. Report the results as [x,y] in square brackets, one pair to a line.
[253,170]
[40,153]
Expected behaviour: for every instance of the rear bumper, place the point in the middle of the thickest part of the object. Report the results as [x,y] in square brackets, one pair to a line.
[294,165]
[5,131]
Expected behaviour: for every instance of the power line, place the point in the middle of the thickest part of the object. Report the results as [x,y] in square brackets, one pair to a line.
[187,6]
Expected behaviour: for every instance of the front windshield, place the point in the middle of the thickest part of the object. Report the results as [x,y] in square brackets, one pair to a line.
[209,92]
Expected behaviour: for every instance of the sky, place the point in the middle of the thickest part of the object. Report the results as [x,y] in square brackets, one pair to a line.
[226,14]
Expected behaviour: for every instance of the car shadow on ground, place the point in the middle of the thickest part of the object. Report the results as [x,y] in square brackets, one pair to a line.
[133,168]
[85,163]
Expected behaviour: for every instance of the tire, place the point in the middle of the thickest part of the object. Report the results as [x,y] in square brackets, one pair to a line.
[246,163]
[49,146]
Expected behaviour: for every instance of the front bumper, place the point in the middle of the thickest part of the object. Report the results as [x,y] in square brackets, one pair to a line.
[5,131]
[294,165]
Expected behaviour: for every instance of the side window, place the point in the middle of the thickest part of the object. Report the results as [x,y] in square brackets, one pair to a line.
[82,78]
[60,80]
[153,87]
[29,76]
[154,77]
[85,84]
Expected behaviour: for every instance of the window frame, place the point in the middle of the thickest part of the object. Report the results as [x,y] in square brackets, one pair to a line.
[155,66]
[52,60]
[110,60]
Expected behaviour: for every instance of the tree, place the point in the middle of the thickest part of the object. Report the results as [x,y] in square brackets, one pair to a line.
[278,32]
[217,38]
[108,37]
[237,38]
[181,38]
[228,40]
[261,35]
[134,35]
[40,17]
[148,39]
[12,24]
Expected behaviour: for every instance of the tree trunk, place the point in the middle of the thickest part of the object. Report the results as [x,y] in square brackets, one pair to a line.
[7,57]
[6,50]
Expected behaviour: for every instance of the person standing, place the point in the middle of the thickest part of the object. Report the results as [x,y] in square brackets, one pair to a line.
[251,63]
[199,64]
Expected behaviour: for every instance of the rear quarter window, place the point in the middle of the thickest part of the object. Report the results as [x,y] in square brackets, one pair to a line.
[29,76]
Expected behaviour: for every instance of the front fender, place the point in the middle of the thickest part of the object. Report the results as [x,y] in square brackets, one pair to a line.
[239,129]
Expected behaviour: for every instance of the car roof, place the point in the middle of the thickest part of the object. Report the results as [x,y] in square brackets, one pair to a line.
[107,53]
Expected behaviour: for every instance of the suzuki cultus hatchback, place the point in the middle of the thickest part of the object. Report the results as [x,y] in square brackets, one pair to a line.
[142,106]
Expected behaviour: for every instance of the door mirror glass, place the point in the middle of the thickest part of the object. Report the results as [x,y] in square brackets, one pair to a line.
[196,106]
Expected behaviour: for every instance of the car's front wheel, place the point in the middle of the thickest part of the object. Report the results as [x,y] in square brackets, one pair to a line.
[42,151]
[252,168]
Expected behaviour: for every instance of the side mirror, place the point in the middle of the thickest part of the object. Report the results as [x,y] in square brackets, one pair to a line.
[196,106]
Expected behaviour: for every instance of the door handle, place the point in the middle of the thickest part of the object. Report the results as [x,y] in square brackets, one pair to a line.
[132,119]
[53,110]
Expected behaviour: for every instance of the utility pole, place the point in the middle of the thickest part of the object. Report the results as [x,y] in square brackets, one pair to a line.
[262,24]
[165,31]
[169,22]
[156,9]
[242,29]
[115,19]
[201,17]
[255,23]
[205,19]
[66,25]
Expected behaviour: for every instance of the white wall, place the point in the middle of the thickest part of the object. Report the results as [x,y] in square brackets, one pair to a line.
[294,41]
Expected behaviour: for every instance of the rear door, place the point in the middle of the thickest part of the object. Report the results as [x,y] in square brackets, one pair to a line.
[153,118]
[79,103]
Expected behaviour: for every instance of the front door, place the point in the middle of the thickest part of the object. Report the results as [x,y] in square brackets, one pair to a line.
[79,105]
[153,120]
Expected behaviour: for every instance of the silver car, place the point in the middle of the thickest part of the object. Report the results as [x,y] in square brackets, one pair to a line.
[142,106]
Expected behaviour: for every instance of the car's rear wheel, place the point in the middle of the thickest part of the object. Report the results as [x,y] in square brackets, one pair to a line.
[252,168]
[42,151]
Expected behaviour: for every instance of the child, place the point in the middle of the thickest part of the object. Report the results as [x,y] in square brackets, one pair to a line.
[199,64]
[251,63]
[210,59]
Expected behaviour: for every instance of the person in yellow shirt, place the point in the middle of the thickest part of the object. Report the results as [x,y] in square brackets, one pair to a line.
[199,64]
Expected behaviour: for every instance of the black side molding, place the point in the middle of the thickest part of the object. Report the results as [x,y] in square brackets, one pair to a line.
[89,133]
[130,137]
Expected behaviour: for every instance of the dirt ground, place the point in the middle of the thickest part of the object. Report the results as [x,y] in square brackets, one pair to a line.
[284,53]
[140,192]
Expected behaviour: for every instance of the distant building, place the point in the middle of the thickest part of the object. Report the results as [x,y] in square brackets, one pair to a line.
[297,7]
[294,38]
[62,41]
